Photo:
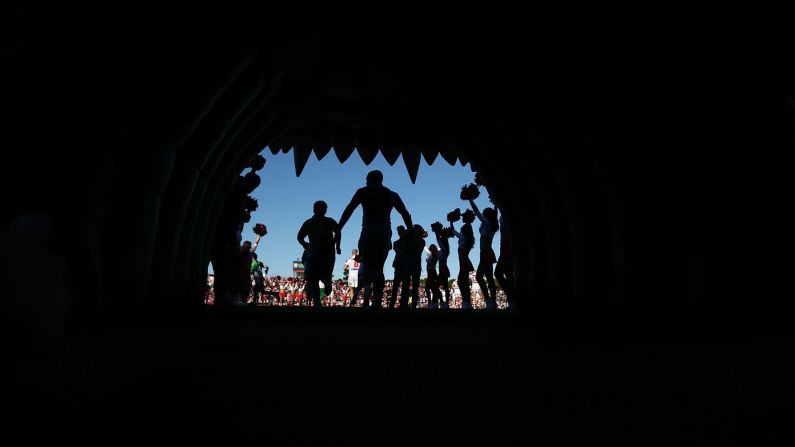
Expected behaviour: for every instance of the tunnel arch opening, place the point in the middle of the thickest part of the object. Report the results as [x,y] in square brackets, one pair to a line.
[202,135]
[201,151]
[429,184]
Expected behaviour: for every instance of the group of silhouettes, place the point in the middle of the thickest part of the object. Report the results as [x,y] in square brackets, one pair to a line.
[375,242]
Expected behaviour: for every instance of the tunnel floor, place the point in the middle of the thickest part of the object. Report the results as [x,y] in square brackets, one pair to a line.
[243,375]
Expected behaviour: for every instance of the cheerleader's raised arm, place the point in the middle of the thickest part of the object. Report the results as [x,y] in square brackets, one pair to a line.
[476,210]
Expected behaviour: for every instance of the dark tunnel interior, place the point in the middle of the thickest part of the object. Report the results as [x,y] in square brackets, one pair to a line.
[640,157]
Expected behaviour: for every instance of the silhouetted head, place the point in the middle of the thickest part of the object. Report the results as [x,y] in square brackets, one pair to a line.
[320,208]
[433,248]
[354,252]
[375,178]
[468,216]
[401,230]
[246,246]
[254,256]
[491,216]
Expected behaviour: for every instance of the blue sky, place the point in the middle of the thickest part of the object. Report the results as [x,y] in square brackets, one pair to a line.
[285,202]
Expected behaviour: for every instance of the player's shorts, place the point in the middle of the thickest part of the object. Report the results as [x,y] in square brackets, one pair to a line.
[353,278]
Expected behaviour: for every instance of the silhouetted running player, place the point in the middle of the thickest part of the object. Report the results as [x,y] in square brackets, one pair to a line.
[415,245]
[398,264]
[377,202]
[324,236]
[431,283]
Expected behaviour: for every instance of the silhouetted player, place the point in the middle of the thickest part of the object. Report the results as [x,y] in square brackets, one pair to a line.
[324,236]
[431,283]
[377,202]
[398,264]
[415,245]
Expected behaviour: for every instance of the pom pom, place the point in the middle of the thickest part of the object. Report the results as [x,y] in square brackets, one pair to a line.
[248,183]
[470,191]
[258,163]
[260,229]
[479,180]
[454,216]
[250,203]
[447,232]
[436,227]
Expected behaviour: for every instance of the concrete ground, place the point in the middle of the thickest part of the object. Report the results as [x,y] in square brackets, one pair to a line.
[358,377]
